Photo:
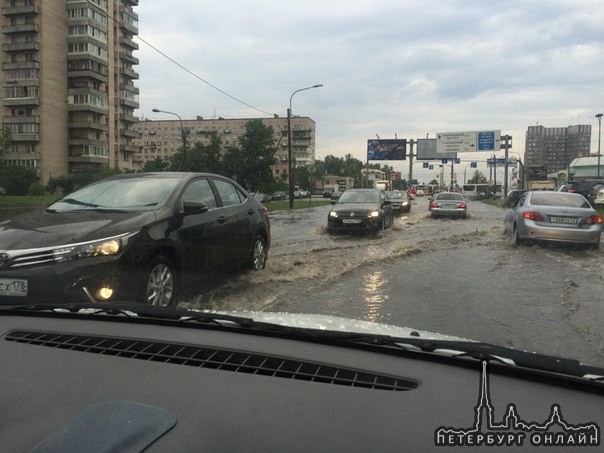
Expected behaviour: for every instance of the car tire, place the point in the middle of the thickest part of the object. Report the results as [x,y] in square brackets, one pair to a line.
[159,283]
[516,238]
[259,254]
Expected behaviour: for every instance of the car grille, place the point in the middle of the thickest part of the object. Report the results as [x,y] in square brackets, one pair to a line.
[214,358]
[41,256]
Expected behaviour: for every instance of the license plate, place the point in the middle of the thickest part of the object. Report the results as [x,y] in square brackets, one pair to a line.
[351,220]
[13,287]
[450,206]
[565,220]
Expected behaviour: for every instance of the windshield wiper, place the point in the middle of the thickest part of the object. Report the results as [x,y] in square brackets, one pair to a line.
[414,343]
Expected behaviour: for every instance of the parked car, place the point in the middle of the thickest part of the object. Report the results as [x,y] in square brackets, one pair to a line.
[599,200]
[335,195]
[448,204]
[553,216]
[360,210]
[588,188]
[298,194]
[262,197]
[135,237]
[279,196]
[513,196]
[399,200]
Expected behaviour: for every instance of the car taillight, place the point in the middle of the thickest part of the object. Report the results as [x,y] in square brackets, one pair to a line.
[435,205]
[533,215]
[593,219]
[572,190]
[462,205]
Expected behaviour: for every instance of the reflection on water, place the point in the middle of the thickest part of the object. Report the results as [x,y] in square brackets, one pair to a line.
[373,295]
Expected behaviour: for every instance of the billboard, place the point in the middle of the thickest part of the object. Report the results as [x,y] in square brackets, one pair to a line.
[392,149]
[426,150]
[537,173]
[468,142]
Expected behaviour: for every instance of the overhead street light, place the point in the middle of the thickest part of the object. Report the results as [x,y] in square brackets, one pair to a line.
[599,116]
[290,166]
[183,161]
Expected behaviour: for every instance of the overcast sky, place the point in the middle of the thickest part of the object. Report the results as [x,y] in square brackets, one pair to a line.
[404,67]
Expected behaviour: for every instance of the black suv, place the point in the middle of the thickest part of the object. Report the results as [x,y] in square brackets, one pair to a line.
[588,188]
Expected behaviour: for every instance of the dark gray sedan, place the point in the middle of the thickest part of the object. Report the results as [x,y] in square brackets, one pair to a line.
[360,210]
[553,216]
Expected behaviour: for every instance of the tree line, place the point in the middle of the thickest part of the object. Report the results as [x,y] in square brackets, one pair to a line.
[249,163]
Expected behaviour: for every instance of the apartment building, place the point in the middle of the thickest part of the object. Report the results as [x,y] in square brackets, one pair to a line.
[68,94]
[162,138]
[555,147]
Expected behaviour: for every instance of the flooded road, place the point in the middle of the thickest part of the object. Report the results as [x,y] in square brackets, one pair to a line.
[458,277]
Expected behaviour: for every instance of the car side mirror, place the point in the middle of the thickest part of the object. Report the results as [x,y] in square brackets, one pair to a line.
[194,207]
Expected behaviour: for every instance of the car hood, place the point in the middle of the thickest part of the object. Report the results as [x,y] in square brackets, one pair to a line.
[357,207]
[339,324]
[47,229]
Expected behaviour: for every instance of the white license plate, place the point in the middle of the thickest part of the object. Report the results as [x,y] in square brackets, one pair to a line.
[565,220]
[351,220]
[450,206]
[13,287]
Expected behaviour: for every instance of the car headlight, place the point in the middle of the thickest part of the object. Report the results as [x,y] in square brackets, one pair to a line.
[374,214]
[333,214]
[405,203]
[103,247]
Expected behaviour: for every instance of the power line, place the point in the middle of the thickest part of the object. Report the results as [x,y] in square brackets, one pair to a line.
[163,54]
[201,79]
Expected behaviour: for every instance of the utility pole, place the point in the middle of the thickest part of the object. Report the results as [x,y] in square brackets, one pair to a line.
[507,144]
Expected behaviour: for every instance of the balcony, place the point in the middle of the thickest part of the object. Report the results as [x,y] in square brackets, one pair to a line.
[21,28]
[130,133]
[128,57]
[21,102]
[127,42]
[127,148]
[20,10]
[129,72]
[20,46]
[88,125]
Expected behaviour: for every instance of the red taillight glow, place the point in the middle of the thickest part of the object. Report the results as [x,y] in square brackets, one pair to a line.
[462,205]
[435,205]
[593,219]
[533,215]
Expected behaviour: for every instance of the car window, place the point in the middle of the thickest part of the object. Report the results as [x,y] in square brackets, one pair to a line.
[558,199]
[229,194]
[200,190]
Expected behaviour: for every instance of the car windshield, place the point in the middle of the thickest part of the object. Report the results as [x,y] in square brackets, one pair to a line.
[558,199]
[134,131]
[397,194]
[352,196]
[131,194]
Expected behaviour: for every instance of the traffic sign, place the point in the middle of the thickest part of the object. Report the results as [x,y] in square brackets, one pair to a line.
[467,142]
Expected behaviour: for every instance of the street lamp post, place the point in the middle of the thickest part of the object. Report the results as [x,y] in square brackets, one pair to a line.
[599,116]
[290,166]
[183,136]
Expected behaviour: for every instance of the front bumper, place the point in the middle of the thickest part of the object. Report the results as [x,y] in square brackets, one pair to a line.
[70,282]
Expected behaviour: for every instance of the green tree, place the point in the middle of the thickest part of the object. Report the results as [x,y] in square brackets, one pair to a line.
[6,140]
[334,165]
[157,164]
[478,178]
[17,180]
[251,162]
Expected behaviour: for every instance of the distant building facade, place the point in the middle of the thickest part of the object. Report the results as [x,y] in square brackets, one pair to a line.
[556,147]
[163,138]
[68,94]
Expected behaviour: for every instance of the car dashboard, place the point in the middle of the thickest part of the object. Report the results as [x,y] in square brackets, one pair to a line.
[72,381]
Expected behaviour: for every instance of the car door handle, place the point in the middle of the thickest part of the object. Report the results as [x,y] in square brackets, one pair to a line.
[221,219]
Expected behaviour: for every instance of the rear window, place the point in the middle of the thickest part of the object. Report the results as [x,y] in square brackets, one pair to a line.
[449,196]
[559,199]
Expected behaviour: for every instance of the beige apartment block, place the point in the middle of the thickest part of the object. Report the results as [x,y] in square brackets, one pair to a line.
[162,138]
[68,94]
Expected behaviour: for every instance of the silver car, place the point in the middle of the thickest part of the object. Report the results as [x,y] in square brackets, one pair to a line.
[553,216]
[451,204]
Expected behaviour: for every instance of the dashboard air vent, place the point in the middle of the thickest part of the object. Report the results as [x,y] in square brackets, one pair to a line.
[219,359]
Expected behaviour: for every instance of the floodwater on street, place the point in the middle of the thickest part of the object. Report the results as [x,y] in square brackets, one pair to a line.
[457,277]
